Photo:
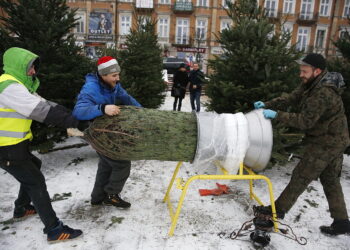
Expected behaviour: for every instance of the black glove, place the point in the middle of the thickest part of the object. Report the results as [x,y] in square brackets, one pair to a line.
[82,125]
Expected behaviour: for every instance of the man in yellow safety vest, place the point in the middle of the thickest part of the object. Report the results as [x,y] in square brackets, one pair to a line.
[19,105]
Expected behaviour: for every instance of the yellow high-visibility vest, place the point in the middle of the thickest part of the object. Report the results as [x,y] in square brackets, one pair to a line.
[14,127]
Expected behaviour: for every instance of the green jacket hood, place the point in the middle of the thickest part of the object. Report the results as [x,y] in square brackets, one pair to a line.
[17,62]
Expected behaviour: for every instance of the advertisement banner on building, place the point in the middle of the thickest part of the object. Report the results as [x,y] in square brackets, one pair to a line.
[100,23]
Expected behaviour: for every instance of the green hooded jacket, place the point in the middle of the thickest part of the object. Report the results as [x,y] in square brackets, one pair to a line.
[16,63]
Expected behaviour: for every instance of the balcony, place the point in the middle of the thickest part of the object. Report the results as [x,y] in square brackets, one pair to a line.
[305,49]
[306,18]
[144,5]
[271,12]
[181,41]
[273,15]
[163,39]
[183,7]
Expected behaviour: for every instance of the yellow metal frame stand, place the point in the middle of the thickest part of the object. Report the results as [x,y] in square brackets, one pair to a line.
[251,176]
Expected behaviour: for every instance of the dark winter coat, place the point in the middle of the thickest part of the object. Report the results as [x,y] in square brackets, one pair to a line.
[180,81]
[196,78]
[320,111]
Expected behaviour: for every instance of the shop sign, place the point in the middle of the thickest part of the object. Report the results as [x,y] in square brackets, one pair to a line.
[192,50]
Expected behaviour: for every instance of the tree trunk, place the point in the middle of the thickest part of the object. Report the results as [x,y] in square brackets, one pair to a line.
[145,134]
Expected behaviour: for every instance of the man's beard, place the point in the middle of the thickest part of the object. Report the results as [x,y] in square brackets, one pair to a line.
[308,80]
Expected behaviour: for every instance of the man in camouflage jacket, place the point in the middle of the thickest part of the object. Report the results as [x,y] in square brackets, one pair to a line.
[321,117]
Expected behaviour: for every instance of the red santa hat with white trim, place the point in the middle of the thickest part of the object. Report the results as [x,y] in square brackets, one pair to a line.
[107,65]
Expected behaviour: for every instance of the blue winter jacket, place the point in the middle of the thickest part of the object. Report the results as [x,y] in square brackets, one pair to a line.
[94,94]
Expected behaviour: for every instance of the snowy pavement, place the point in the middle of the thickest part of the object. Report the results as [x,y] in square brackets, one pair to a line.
[70,174]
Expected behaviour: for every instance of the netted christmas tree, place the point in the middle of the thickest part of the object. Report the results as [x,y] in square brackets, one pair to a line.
[258,63]
[141,64]
[43,27]
[140,133]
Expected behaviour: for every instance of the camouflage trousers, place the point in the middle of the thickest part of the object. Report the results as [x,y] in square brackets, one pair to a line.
[324,163]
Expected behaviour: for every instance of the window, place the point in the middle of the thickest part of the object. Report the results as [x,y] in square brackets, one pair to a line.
[306,9]
[201,29]
[324,7]
[347,8]
[343,34]
[182,28]
[271,7]
[224,3]
[272,32]
[225,24]
[144,20]
[80,27]
[288,6]
[320,38]
[110,45]
[146,4]
[164,1]
[125,24]
[163,27]
[288,28]
[203,3]
[303,39]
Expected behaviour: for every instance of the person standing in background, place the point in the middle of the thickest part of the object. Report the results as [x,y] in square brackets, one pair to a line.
[179,86]
[196,80]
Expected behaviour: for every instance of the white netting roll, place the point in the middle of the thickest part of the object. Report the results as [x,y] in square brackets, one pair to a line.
[221,137]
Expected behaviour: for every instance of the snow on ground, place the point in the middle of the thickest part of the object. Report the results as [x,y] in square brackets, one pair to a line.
[145,226]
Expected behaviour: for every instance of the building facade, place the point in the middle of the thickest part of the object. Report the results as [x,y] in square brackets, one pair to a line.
[188,28]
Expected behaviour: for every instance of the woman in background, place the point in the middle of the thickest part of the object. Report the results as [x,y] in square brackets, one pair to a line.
[179,86]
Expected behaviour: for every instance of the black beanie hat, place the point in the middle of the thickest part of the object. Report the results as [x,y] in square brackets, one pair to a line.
[314,60]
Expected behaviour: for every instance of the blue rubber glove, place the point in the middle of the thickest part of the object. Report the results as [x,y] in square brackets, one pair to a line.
[269,114]
[259,105]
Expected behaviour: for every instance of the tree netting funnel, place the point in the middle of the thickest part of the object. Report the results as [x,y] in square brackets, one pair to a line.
[260,140]
[148,134]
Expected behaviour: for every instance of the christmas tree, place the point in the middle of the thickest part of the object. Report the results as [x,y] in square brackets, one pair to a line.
[43,27]
[141,65]
[258,63]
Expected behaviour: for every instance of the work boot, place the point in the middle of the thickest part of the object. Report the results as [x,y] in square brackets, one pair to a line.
[97,203]
[337,227]
[115,200]
[62,232]
[23,212]
[266,210]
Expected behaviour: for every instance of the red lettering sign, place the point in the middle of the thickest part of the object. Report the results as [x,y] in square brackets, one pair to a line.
[191,50]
